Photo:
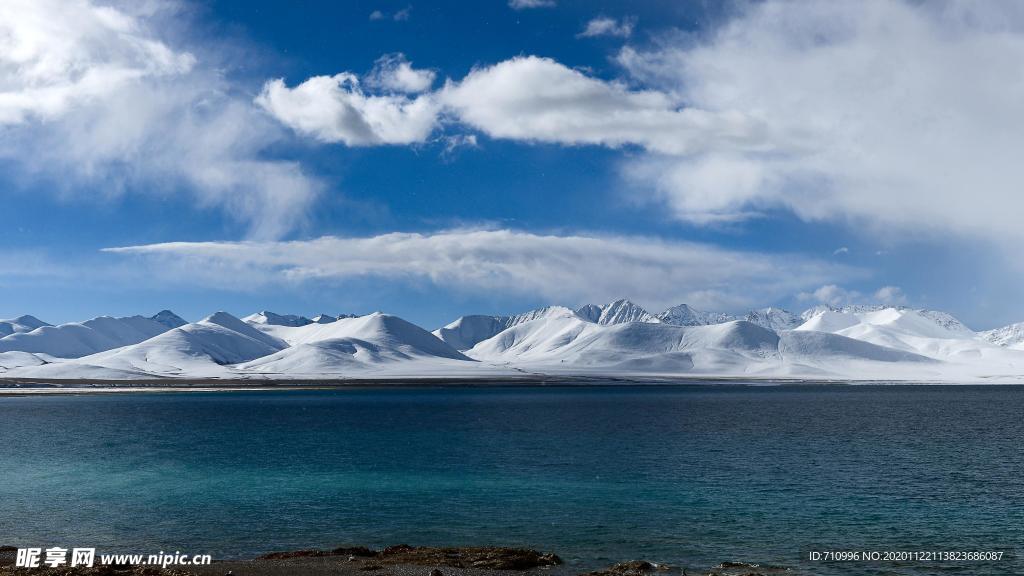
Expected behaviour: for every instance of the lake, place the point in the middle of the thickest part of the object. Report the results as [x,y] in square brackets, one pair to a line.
[687,474]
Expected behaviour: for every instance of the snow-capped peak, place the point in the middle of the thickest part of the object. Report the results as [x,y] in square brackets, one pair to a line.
[30,321]
[25,323]
[620,311]
[467,331]
[168,318]
[684,315]
[266,317]
[1007,336]
[943,320]
[589,312]
[774,319]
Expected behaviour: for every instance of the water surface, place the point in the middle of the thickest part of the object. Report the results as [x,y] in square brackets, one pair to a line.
[690,474]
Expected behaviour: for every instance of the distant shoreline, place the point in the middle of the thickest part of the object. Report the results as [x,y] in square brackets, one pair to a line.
[38,386]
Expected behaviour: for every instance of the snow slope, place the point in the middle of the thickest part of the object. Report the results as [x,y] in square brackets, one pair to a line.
[24,323]
[569,343]
[12,360]
[168,318]
[354,346]
[78,339]
[774,319]
[272,319]
[624,311]
[684,315]
[936,335]
[618,339]
[467,331]
[222,346]
[918,331]
[199,350]
[1011,336]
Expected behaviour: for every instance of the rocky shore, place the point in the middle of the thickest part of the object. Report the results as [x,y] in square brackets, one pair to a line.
[400,560]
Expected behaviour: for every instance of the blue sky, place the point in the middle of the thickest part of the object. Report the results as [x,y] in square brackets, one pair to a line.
[489,158]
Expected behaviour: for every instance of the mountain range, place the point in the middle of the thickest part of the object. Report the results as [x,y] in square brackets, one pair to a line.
[616,339]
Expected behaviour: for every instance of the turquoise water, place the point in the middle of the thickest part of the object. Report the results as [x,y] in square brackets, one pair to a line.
[692,475]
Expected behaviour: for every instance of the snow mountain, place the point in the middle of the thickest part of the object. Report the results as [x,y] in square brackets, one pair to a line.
[24,323]
[272,319]
[684,315]
[617,339]
[1011,336]
[168,318]
[774,319]
[78,339]
[198,350]
[617,312]
[361,344]
[568,343]
[467,331]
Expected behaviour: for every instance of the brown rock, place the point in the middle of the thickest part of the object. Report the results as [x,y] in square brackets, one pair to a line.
[491,557]
[632,568]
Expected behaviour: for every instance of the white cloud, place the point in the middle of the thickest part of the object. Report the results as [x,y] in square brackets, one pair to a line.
[524,98]
[393,72]
[403,14]
[605,26]
[91,99]
[376,15]
[890,295]
[527,4]
[539,99]
[834,295]
[840,250]
[55,55]
[335,109]
[831,295]
[557,268]
[898,115]
[895,116]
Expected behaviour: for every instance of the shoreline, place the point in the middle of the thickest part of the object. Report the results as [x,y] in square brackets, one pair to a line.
[400,560]
[39,386]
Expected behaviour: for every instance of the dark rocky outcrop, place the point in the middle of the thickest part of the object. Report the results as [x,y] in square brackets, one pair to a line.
[486,557]
[632,568]
[309,553]
[746,569]
[489,557]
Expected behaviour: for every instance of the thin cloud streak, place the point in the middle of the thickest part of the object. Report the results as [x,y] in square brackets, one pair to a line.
[557,268]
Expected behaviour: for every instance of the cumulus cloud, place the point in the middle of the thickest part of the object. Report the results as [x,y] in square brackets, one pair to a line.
[831,294]
[897,114]
[605,26]
[541,100]
[890,295]
[527,4]
[888,114]
[834,295]
[558,268]
[335,109]
[55,55]
[524,98]
[92,99]
[393,72]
